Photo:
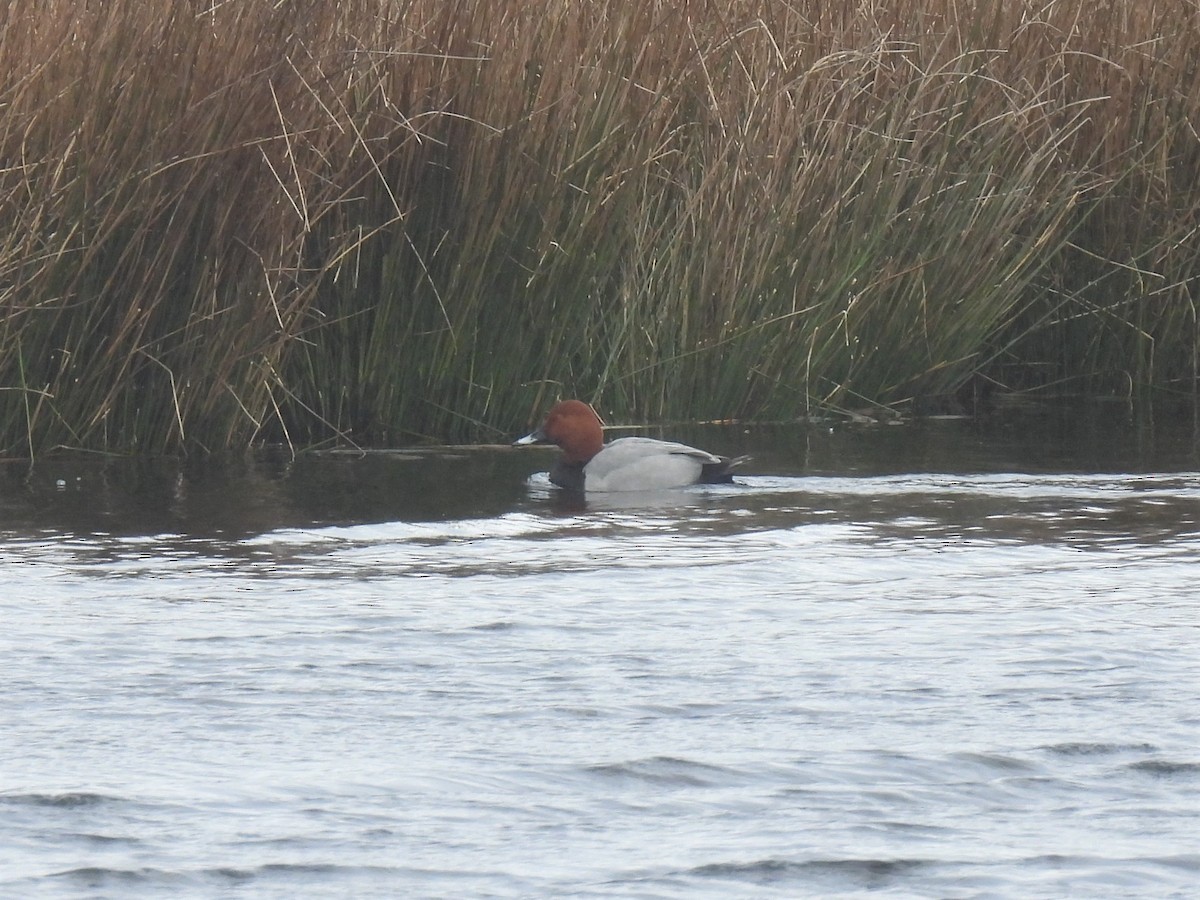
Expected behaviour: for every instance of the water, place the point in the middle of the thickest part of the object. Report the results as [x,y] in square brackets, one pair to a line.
[937,660]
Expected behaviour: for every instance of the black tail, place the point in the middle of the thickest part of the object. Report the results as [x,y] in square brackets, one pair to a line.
[721,472]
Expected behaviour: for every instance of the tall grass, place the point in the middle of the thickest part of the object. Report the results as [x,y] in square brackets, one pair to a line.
[376,221]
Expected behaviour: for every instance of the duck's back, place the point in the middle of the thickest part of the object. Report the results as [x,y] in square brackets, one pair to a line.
[646,464]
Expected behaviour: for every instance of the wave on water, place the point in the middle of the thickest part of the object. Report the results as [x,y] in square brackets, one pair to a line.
[1171,485]
[1084,748]
[1042,876]
[1165,768]
[66,800]
[507,526]
[665,771]
[276,880]
[861,873]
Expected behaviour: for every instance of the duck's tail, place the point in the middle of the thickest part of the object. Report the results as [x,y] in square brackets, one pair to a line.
[721,472]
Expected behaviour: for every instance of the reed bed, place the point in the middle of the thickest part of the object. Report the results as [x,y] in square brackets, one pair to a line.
[238,222]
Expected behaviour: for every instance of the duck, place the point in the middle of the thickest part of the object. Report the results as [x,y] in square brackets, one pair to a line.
[589,465]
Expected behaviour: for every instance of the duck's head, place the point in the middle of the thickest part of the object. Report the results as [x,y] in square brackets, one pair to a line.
[573,426]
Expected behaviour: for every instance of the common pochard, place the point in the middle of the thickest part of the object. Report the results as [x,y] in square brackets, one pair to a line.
[626,464]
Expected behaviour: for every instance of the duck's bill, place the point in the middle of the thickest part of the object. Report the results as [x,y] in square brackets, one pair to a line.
[535,437]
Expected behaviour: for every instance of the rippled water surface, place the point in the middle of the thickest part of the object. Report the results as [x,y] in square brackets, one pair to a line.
[937,660]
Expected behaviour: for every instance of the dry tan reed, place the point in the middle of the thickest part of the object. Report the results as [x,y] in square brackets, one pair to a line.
[245,221]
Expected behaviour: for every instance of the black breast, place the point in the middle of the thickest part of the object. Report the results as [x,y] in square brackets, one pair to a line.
[567,475]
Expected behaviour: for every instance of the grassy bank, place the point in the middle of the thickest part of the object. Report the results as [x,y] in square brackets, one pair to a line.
[378,221]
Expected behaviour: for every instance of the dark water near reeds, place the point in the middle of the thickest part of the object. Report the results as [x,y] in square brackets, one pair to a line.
[943,659]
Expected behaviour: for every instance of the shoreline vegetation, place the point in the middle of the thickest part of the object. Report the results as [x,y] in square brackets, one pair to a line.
[231,223]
